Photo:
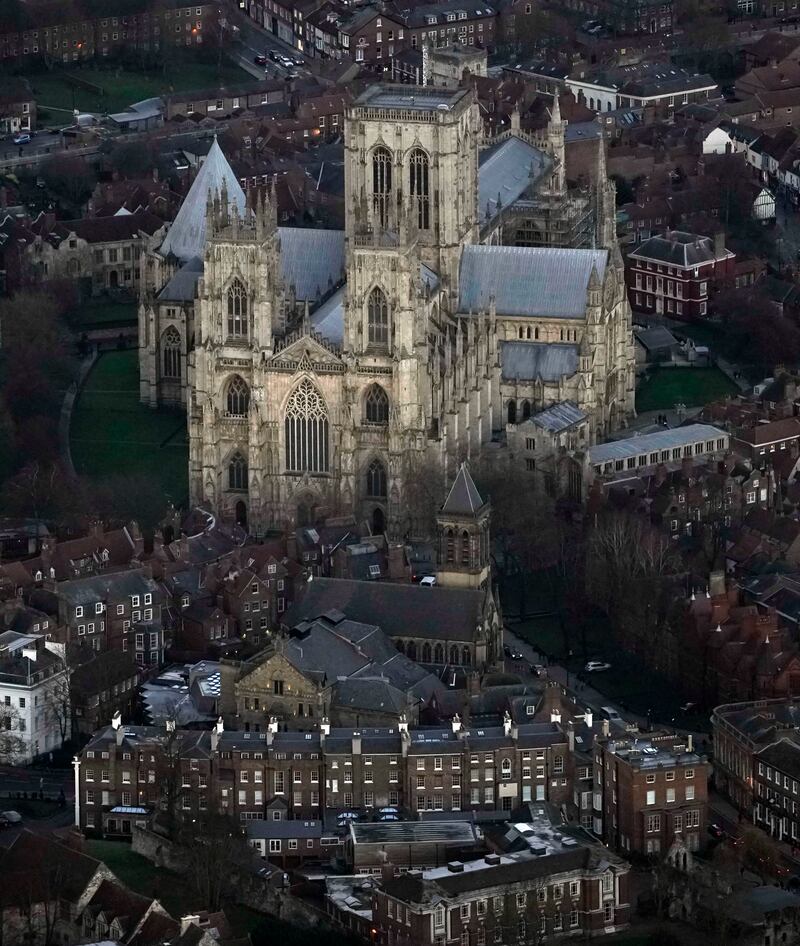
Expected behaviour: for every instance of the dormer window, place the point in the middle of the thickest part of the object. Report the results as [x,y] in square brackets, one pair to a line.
[104,555]
[38,576]
[185,601]
[431,20]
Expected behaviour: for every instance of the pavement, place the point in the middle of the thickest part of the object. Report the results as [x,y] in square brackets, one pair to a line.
[723,813]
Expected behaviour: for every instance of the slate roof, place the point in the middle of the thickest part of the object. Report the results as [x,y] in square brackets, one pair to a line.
[559,417]
[400,610]
[528,280]
[187,235]
[677,248]
[328,319]
[656,337]
[463,498]
[311,260]
[183,284]
[663,440]
[504,173]
[528,361]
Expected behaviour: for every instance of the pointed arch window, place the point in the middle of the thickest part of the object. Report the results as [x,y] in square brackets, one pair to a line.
[377,405]
[438,654]
[237,400]
[465,547]
[512,412]
[381,185]
[306,430]
[376,480]
[237,472]
[420,187]
[171,353]
[378,319]
[451,546]
[237,310]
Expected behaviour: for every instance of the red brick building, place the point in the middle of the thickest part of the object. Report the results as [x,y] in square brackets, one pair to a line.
[650,789]
[675,274]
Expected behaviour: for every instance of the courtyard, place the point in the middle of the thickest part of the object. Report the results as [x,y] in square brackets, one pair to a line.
[663,388]
[112,433]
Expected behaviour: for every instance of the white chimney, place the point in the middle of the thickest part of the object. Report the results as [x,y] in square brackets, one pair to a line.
[588,718]
[325,726]
[402,725]
[456,723]
[116,720]
[272,725]
[507,723]
[555,716]
[690,743]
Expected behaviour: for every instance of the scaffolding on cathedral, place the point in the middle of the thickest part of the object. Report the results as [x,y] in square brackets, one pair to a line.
[563,220]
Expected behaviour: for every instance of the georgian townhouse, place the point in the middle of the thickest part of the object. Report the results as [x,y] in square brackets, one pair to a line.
[776,787]
[549,883]
[650,789]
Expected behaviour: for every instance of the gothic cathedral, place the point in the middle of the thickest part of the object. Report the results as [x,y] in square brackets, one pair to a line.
[330,372]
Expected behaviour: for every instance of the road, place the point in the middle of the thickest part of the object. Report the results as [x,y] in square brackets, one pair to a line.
[253,40]
[721,812]
[43,142]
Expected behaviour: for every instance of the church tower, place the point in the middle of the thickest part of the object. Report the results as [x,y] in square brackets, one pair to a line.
[462,535]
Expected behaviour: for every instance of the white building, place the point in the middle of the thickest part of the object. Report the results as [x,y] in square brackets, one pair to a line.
[33,698]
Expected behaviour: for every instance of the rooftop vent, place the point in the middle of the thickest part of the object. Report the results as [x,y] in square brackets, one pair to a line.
[492,859]
[455,867]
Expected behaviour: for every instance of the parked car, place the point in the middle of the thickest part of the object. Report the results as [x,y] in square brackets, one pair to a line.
[594,666]
[275,56]
[260,60]
[609,713]
[717,831]
[538,670]
[22,139]
[11,817]
[516,655]
[428,581]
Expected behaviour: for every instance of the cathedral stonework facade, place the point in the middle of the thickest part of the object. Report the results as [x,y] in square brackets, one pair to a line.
[331,372]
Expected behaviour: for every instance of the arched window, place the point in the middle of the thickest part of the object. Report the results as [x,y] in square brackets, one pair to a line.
[306,430]
[466,657]
[438,654]
[536,333]
[451,546]
[237,310]
[426,653]
[238,397]
[400,645]
[237,472]
[381,185]
[376,480]
[521,332]
[465,547]
[420,187]
[171,352]
[377,405]
[378,319]
[526,410]
[453,655]
[512,412]
[411,650]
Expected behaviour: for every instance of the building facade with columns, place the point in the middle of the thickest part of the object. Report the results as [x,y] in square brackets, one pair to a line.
[332,372]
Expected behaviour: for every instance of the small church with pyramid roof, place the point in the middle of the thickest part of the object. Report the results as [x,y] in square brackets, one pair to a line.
[335,372]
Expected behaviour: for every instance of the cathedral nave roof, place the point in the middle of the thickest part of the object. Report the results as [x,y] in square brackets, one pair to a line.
[528,280]
[505,171]
[186,238]
[311,260]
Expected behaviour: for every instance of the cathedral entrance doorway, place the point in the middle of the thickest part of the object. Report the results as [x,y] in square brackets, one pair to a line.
[306,512]
[241,514]
[378,521]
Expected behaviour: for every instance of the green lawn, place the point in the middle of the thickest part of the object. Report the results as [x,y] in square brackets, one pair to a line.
[112,433]
[173,891]
[102,312]
[122,87]
[665,387]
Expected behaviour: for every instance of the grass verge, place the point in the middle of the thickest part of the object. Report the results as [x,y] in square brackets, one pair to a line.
[113,434]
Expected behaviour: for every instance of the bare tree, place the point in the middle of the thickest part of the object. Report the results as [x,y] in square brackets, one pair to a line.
[12,742]
[217,854]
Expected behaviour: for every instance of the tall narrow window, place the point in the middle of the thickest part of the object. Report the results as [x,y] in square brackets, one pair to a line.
[420,187]
[381,185]
[238,399]
[377,405]
[171,348]
[465,548]
[237,472]
[376,480]
[451,546]
[237,310]
[378,319]
[306,429]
